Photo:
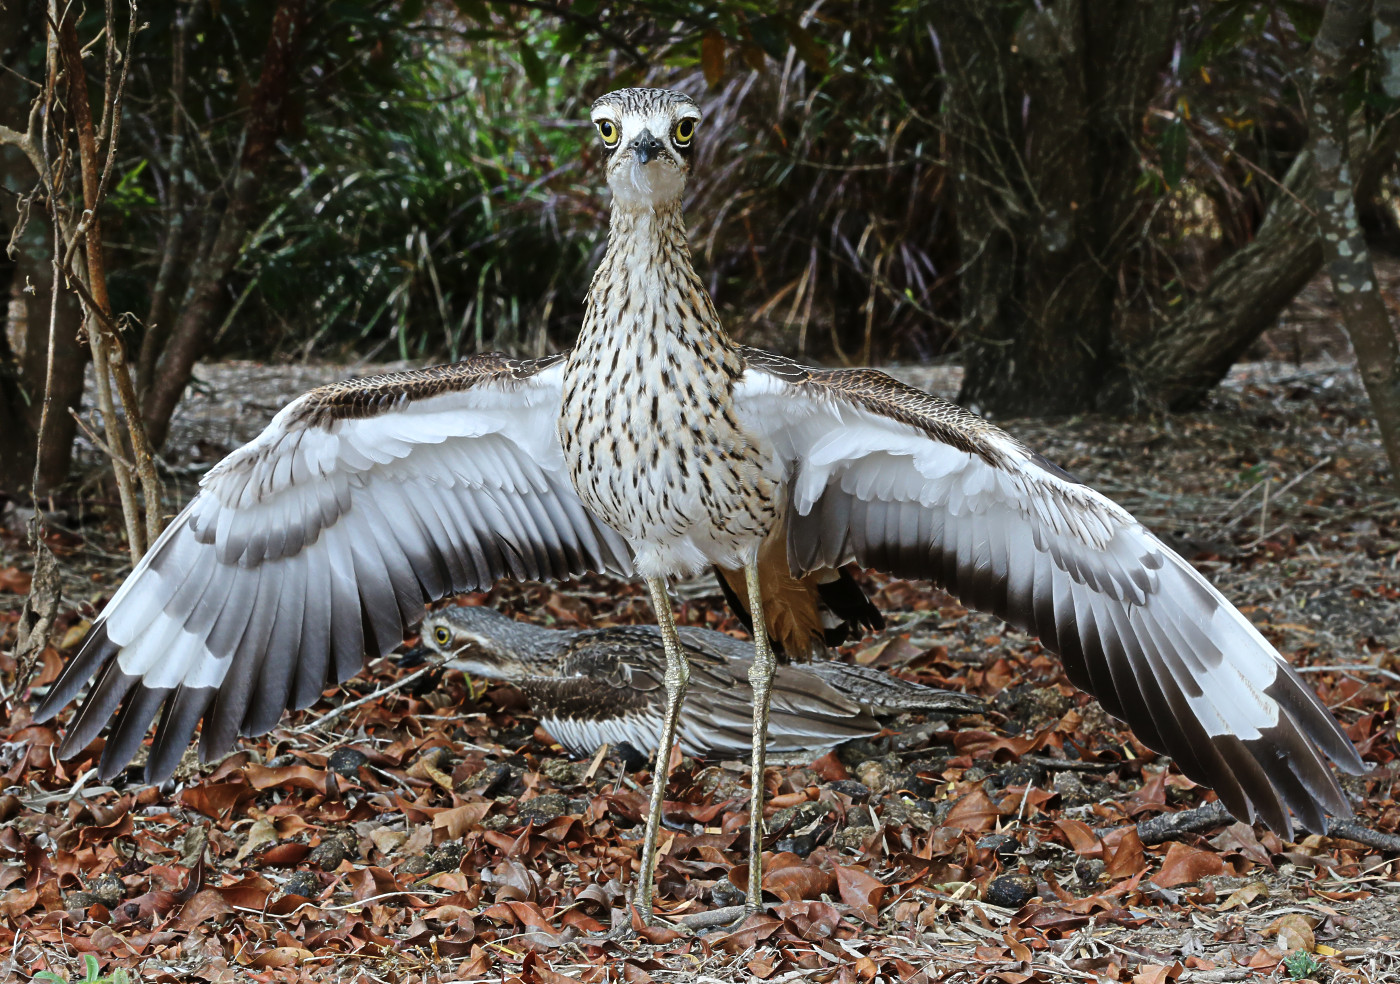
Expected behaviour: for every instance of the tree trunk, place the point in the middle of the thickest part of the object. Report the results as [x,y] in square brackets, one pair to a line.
[1185,358]
[1045,188]
[22,376]
[1363,311]
[203,298]
[70,358]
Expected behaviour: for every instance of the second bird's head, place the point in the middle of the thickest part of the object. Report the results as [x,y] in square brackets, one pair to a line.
[486,644]
[647,135]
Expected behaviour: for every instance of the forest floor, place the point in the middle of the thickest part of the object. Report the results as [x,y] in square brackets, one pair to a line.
[441,836]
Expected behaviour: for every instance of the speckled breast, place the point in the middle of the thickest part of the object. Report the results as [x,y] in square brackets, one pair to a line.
[655,451]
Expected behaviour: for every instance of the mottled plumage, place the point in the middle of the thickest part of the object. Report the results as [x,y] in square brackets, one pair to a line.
[648,425]
[607,685]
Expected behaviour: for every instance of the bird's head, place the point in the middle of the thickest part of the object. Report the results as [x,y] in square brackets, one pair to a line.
[482,642]
[647,135]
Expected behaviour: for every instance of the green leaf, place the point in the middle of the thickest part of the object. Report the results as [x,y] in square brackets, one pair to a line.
[1172,148]
[474,9]
[768,35]
[534,68]
[807,47]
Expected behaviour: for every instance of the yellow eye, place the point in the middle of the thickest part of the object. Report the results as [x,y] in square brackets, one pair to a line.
[608,131]
[685,129]
[442,635]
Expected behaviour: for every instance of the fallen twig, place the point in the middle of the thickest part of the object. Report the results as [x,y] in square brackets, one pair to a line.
[710,918]
[331,715]
[1354,830]
[1350,668]
[1168,825]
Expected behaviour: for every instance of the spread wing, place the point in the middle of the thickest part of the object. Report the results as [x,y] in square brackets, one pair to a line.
[318,542]
[889,477]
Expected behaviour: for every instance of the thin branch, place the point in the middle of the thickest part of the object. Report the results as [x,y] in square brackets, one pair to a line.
[97,441]
[331,715]
[100,339]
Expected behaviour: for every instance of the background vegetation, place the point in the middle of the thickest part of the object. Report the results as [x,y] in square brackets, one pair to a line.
[1093,206]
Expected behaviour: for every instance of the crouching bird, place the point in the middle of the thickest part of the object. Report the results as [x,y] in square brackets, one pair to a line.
[659,446]
[590,686]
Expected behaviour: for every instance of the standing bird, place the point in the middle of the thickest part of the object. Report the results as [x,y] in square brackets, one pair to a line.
[660,446]
[593,686]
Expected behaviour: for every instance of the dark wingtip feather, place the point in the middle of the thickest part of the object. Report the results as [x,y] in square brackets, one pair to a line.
[1313,717]
[81,667]
[130,729]
[106,696]
[176,730]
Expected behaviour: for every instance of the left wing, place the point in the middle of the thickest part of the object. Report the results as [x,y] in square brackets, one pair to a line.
[890,477]
[316,544]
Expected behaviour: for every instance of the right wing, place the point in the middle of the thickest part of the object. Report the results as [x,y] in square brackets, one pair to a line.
[318,542]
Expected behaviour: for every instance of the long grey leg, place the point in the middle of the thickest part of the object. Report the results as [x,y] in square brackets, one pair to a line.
[677,674]
[761,679]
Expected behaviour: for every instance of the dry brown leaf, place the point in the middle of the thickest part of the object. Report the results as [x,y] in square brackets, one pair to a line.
[973,813]
[860,890]
[207,904]
[218,800]
[1184,865]
[14,581]
[1244,895]
[460,819]
[386,840]
[1157,974]
[262,832]
[282,956]
[1294,932]
[1128,856]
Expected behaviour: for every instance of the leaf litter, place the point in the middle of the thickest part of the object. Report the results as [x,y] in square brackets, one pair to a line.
[435,833]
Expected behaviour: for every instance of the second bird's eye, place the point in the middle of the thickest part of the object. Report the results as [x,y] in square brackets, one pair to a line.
[608,131]
[441,635]
[685,129]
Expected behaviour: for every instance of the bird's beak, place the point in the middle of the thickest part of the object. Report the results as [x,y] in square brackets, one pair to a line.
[413,657]
[646,147]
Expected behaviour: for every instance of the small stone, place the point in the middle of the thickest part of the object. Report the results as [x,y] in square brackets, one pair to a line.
[562,772]
[801,845]
[1018,774]
[717,783]
[911,784]
[857,791]
[1071,789]
[916,813]
[1010,891]
[1003,846]
[543,809]
[347,762]
[80,900]
[1088,871]
[852,838]
[725,893]
[499,821]
[328,854]
[487,781]
[303,883]
[798,818]
[875,774]
[444,857]
[108,889]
